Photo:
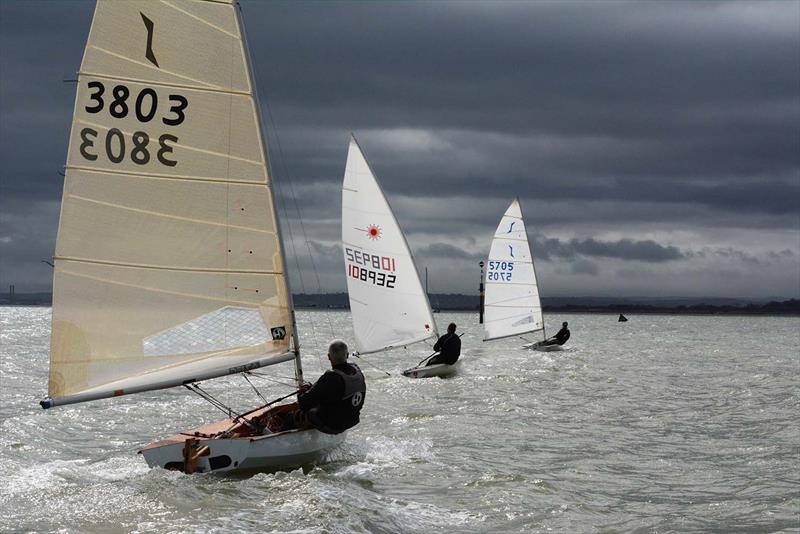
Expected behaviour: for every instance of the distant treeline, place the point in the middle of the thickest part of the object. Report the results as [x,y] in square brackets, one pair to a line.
[458,302]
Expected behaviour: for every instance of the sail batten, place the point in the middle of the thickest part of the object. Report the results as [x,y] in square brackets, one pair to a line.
[169,262]
[387,301]
[512,306]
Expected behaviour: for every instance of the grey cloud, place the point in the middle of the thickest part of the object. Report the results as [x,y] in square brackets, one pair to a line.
[445,251]
[585,267]
[627,249]
[612,118]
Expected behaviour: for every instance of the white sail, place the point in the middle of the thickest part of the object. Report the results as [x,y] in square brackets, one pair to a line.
[512,305]
[387,301]
[168,263]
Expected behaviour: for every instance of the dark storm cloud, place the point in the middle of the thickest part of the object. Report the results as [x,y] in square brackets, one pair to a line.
[445,251]
[661,102]
[612,116]
[626,249]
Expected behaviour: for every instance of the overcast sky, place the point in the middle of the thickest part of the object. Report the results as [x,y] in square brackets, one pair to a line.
[655,147]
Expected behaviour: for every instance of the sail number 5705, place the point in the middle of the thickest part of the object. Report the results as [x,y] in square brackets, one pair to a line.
[500,271]
[137,147]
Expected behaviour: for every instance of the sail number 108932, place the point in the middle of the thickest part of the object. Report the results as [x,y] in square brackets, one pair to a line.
[120,103]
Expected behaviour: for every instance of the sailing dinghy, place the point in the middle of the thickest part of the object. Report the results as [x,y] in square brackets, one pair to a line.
[388,304]
[169,265]
[512,305]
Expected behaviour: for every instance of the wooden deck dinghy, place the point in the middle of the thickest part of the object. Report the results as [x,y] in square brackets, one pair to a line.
[231,444]
[169,265]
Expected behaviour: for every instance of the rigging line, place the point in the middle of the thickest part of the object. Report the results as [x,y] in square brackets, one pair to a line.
[272,379]
[277,186]
[254,388]
[214,402]
[288,221]
[219,404]
[371,364]
[286,173]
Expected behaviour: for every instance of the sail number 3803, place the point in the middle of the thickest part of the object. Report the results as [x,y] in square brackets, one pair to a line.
[138,147]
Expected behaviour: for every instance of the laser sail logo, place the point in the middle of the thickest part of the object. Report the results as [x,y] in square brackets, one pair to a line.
[374,232]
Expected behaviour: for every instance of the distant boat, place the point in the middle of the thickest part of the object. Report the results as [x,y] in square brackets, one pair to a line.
[622,318]
[388,304]
[512,304]
[169,264]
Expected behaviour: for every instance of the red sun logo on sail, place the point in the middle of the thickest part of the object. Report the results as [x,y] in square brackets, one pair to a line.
[374,231]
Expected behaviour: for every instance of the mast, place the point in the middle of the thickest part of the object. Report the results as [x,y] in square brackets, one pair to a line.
[298,364]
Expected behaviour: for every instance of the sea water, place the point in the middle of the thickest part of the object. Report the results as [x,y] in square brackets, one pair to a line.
[661,424]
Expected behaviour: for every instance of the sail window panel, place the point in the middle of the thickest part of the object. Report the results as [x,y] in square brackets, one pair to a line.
[152,130]
[105,312]
[188,47]
[213,203]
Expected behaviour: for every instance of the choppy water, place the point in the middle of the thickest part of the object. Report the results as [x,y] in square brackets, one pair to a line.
[661,424]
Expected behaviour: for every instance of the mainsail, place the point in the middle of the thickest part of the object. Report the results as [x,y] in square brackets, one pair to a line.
[387,301]
[512,305]
[168,263]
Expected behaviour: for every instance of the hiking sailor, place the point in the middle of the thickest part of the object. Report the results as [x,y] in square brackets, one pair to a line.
[561,337]
[449,347]
[334,402]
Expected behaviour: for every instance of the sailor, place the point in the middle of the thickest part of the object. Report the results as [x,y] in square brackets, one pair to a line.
[333,403]
[449,347]
[561,337]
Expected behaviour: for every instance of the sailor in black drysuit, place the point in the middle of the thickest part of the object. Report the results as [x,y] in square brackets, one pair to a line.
[333,403]
[449,347]
[561,337]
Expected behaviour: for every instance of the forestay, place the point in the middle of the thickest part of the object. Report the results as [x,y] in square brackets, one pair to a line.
[512,305]
[387,302]
[168,261]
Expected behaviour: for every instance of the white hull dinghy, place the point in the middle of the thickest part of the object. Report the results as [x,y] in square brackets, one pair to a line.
[230,444]
[169,266]
[435,370]
[512,304]
[388,304]
[541,347]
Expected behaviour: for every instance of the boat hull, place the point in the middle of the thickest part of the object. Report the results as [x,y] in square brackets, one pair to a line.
[429,371]
[543,348]
[201,451]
